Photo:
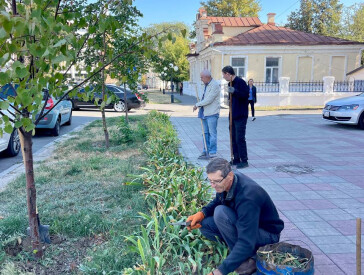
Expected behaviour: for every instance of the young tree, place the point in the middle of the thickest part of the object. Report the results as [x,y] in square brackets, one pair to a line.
[39,40]
[234,8]
[317,16]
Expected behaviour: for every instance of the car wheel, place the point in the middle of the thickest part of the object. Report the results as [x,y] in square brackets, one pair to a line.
[69,120]
[14,144]
[57,128]
[361,121]
[119,106]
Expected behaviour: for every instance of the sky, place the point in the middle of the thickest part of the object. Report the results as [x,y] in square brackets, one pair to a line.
[158,11]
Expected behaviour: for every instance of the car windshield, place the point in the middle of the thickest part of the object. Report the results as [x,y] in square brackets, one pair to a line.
[8,90]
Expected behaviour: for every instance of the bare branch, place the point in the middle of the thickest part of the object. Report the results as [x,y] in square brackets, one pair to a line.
[11,120]
[58,4]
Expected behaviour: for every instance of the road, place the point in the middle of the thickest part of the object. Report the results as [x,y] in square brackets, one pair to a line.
[43,137]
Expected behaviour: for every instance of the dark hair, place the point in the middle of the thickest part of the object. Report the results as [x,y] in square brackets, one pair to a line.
[229,70]
[251,79]
[219,164]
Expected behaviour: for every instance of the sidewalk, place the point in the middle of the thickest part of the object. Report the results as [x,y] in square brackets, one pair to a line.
[312,169]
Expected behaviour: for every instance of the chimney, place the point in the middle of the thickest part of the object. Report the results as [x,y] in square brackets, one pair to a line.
[201,13]
[271,19]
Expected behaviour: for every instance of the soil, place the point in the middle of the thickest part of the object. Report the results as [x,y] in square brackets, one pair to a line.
[62,256]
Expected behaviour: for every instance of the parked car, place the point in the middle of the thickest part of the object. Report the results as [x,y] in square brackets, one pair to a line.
[140,87]
[145,87]
[118,105]
[60,115]
[347,110]
[9,143]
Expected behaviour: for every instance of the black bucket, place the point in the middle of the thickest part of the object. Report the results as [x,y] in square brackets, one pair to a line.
[266,268]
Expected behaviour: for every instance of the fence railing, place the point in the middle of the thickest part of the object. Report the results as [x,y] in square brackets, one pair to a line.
[267,87]
[349,86]
[306,87]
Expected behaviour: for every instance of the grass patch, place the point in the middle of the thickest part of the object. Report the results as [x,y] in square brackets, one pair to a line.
[157,97]
[81,194]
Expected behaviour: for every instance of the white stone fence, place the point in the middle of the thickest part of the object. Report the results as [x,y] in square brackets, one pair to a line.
[286,93]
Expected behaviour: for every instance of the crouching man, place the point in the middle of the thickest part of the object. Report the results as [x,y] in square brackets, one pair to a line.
[242,215]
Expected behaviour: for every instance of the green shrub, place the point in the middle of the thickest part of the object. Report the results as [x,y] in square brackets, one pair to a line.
[176,190]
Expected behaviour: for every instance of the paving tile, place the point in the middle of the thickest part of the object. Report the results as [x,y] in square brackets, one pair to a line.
[347,203]
[345,227]
[295,187]
[281,196]
[318,204]
[320,186]
[290,205]
[306,195]
[301,215]
[330,240]
[337,248]
[312,229]
[333,194]
[329,270]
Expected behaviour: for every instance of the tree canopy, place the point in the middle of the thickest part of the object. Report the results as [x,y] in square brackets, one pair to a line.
[234,8]
[317,16]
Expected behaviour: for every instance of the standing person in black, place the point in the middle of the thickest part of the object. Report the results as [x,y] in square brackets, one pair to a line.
[252,96]
[239,113]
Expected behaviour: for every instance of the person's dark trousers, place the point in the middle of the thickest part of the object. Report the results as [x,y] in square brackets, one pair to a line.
[223,226]
[239,143]
[251,102]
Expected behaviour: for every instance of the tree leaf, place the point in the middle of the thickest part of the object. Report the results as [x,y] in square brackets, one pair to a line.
[3,33]
[21,72]
[4,78]
[60,43]
[8,128]
[184,31]
[4,105]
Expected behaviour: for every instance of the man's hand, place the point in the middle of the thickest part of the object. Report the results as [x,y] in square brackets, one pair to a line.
[215,272]
[195,220]
[194,108]
[231,90]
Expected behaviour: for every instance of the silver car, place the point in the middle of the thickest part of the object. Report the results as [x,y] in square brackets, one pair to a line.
[347,110]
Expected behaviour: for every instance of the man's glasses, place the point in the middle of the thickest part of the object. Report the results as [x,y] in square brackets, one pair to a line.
[216,182]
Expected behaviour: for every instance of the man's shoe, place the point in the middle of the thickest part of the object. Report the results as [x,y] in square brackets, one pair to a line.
[203,155]
[246,268]
[234,162]
[212,155]
[242,165]
[253,118]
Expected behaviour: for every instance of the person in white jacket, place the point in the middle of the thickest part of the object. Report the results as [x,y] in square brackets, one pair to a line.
[209,112]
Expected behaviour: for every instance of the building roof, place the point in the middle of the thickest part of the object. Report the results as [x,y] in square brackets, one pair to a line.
[234,21]
[271,35]
[356,70]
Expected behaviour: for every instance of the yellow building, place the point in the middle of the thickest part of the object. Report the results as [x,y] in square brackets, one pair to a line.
[266,52]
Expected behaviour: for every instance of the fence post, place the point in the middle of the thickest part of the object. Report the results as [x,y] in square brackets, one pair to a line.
[328,84]
[284,85]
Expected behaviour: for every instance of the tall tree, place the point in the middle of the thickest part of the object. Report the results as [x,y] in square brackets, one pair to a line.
[234,8]
[352,24]
[317,16]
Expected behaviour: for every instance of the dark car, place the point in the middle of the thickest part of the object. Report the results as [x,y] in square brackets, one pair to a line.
[145,87]
[133,102]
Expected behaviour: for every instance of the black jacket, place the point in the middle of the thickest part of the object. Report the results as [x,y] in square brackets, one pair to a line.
[240,98]
[254,91]
[255,209]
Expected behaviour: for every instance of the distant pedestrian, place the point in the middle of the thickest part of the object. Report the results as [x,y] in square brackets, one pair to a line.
[172,87]
[209,113]
[181,89]
[239,112]
[252,96]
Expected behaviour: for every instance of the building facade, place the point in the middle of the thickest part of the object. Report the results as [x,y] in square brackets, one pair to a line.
[266,52]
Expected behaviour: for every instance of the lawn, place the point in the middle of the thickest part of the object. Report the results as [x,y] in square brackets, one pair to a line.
[157,97]
[82,196]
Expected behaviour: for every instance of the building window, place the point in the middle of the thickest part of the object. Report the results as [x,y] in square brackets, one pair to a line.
[238,64]
[271,69]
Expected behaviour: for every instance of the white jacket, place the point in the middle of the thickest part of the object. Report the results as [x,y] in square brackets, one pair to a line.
[211,101]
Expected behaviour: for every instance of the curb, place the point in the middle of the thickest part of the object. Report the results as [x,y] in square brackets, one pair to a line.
[16,170]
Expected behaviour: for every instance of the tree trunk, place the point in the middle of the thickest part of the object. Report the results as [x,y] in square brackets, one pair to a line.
[104,125]
[126,106]
[26,147]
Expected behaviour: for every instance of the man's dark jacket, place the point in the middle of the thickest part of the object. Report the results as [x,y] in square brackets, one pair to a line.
[240,98]
[254,209]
